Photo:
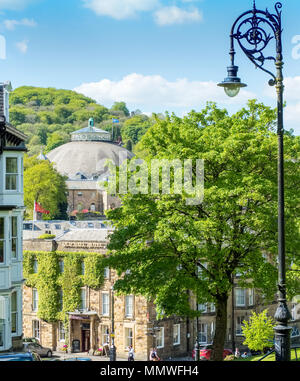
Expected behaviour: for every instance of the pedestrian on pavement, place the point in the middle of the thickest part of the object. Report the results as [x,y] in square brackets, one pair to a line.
[130,353]
[153,355]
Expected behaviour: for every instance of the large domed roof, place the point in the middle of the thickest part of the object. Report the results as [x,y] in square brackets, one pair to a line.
[86,158]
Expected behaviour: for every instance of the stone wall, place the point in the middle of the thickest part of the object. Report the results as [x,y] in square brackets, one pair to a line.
[39,245]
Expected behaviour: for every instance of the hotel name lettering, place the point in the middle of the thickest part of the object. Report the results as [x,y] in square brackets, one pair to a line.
[86,245]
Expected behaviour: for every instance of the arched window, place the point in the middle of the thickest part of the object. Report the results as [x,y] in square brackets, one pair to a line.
[93,207]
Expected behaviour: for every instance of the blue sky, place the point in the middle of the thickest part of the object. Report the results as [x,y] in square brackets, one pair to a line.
[155,55]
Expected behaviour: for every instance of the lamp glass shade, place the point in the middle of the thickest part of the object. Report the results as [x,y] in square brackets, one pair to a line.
[232,91]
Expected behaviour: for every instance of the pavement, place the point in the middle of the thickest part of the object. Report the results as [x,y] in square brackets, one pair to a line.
[64,356]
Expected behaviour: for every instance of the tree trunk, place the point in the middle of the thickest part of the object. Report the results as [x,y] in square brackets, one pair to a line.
[221,328]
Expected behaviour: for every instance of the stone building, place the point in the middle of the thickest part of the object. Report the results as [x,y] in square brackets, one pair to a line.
[135,321]
[83,162]
[12,149]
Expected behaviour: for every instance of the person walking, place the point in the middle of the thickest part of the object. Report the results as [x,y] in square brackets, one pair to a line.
[130,353]
[153,355]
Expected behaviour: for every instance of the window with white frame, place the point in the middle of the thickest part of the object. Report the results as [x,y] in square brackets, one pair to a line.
[36,329]
[105,334]
[251,297]
[176,334]
[14,237]
[160,338]
[83,299]
[2,321]
[11,174]
[202,336]
[212,329]
[2,332]
[35,299]
[2,239]
[106,272]
[128,337]
[239,325]
[202,307]
[61,331]
[240,297]
[105,304]
[14,312]
[129,306]
[212,307]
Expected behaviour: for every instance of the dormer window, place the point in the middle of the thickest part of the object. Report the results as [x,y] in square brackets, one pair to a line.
[11,175]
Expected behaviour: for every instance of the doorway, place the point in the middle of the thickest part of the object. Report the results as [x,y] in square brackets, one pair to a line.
[85,334]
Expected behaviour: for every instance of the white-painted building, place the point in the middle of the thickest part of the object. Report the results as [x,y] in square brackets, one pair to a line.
[12,149]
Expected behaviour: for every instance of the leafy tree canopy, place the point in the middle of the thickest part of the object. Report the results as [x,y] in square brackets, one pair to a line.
[259,331]
[43,184]
[120,106]
[171,248]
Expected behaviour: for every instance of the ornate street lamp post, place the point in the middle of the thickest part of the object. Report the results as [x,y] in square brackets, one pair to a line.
[249,30]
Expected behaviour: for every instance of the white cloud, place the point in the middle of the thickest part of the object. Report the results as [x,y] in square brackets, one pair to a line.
[22,46]
[175,15]
[120,9]
[155,93]
[14,4]
[11,24]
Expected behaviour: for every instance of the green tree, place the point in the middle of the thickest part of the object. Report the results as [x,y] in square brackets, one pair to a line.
[120,106]
[259,331]
[129,145]
[43,184]
[134,128]
[173,248]
[55,140]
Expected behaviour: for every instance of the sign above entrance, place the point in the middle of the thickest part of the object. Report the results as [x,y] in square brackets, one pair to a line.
[78,317]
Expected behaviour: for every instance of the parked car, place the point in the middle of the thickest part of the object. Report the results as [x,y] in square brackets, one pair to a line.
[205,352]
[35,347]
[27,356]
[30,340]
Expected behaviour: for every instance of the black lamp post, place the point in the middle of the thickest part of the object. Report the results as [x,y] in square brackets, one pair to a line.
[249,30]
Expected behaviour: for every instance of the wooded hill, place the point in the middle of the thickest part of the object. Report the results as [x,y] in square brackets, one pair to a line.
[48,116]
